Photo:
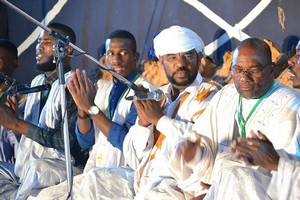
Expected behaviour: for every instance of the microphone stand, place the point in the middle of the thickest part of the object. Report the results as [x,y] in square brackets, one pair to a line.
[63,39]
[59,53]
[66,42]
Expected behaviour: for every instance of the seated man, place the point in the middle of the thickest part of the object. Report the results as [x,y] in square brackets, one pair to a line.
[152,140]
[160,125]
[258,150]
[41,159]
[256,102]
[8,64]
[104,116]
[111,113]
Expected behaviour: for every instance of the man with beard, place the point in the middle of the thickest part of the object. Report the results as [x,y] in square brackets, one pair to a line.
[256,109]
[41,161]
[160,125]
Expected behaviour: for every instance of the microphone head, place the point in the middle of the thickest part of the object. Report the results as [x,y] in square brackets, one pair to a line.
[158,95]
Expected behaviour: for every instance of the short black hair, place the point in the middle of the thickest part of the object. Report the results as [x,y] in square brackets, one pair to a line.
[260,45]
[124,34]
[9,47]
[64,30]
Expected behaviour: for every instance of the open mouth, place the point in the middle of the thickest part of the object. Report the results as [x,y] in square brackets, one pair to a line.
[118,69]
[39,56]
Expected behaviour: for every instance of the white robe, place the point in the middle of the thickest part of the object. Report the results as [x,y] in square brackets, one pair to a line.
[276,117]
[38,166]
[242,183]
[285,183]
[85,184]
[104,154]
[157,179]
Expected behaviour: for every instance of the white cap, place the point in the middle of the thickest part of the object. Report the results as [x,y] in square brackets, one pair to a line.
[177,39]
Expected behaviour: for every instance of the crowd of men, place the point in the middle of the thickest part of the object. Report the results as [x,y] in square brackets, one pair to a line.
[200,141]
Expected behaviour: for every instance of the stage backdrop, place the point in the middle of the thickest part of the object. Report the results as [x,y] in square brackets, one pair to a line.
[220,23]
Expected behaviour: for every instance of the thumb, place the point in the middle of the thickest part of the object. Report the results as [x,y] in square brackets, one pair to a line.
[205,185]
[263,137]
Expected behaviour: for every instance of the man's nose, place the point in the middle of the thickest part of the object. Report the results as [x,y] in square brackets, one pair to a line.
[292,61]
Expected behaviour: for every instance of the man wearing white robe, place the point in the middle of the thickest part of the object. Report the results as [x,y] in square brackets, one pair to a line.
[285,170]
[255,102]
[160,125]
[41,161]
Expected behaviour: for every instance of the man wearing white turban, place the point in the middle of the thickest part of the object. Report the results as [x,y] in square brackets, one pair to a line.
[177,39]
[161,125]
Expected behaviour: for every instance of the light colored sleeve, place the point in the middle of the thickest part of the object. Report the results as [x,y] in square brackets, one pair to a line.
[285,183]
[137,144]
[200,168]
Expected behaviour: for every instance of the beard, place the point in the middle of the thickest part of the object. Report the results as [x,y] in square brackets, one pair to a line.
[46,66]
[191,76]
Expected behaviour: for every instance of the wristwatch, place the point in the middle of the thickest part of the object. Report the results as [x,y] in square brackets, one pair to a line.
[93,110]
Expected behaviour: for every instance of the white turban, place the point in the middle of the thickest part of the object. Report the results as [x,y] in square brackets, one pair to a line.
[176,39]
[298,45]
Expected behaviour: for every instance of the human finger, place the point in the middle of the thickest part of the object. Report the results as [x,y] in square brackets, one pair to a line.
[79,76]
[205,185]
[86,79]
[74,82]
[263,137]
[71,87]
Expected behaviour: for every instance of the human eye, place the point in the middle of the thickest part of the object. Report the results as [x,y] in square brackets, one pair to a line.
[171,57]
[123,53]
[237,70]
[255,73]
[109,53]
[188,56]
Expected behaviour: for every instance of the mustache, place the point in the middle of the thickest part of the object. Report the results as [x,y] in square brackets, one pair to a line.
[182,69]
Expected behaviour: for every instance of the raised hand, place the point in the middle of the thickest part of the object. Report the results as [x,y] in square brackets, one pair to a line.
[257,150]
[82,90]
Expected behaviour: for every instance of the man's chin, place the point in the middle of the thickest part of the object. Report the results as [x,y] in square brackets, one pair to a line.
[45,67]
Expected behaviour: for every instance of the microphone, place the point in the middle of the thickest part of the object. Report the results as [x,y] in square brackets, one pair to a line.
[156,95]
[27,90]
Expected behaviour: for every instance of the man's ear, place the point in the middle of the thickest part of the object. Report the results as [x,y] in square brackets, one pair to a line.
[160,62]
[200,56]
[15,63]
[272,67]
[137,55]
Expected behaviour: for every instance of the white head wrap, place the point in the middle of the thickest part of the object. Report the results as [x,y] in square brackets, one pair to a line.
[298,45]
[176,39]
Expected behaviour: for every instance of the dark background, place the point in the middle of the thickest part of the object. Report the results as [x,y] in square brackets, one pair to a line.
[92,20]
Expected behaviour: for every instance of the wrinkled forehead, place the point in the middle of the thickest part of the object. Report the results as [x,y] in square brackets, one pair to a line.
[246,54]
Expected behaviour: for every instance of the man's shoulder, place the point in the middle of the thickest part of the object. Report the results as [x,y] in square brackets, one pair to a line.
[211,83]
[37,78]
[287,91]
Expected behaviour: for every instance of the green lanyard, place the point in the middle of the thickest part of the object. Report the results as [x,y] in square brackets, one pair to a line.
[110,115]
[241,121]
